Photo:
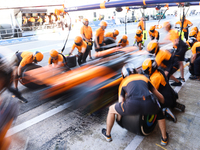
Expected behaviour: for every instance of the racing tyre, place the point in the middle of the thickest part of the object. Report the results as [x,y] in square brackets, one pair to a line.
[139,124]
[26,82]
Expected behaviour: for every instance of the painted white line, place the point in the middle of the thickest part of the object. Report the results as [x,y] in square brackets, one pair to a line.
[138,139]
[135,142]
[37,119]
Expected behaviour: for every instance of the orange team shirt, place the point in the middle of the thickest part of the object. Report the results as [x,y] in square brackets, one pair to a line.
[198,37]
[154,34]
[31,19]
[123,44]
[163,56]
[39,20]
[157,79]
[84,45]
[196,48]
[185,24]
[86,31]
[25,21]
[139,39]
[59,59]
[141,25]
[110,34]
[27,58]
[100,35]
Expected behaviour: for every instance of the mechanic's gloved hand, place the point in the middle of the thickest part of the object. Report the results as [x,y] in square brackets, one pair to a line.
[19,76]
[69,53]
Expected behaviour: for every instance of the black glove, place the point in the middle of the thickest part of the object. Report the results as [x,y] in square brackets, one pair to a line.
[69,53]
[19,76]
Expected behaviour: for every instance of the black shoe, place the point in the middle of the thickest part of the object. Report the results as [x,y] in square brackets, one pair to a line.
[176,84]
[23,100]
[181,79]
[170,115]
[91,58]
[193,77]
[164,141]
[107,137]
[180,106]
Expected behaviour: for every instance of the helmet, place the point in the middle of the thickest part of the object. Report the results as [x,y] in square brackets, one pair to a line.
[166,24]
[103,23]
[139,31]
[84,20]
[195,29]
[193,33]
[78,40]
[128,69]
[152,28]
[124,37]
[191,41]
[53,53]
[38,56]
[149,66]
[153,47]
[116,32]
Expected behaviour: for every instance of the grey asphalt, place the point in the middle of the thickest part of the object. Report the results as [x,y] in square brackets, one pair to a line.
[73,130]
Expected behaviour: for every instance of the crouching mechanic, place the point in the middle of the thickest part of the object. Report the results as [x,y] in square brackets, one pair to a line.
[135,87]
[165,60]
[124,41]
[99,36]
[83,49]
[159,81]
[194,67]
[57,59]
[22,59]
[154,34]
[112,34]
[138,39]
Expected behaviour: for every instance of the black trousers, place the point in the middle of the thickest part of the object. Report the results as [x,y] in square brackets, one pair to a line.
[83,56]
[186,35]
[197,66]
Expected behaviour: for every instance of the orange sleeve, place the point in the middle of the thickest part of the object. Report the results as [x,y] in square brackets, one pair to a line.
[188,22]
[139,24]
[127,42]
[155,81]
[84,45]
[198,37]
[149,33]
[60,58]
[26,60]
[97,32]
[156,34]
[159,59]
[82,32]
[194,49]
[178,22]
[73,46]
[49,61]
